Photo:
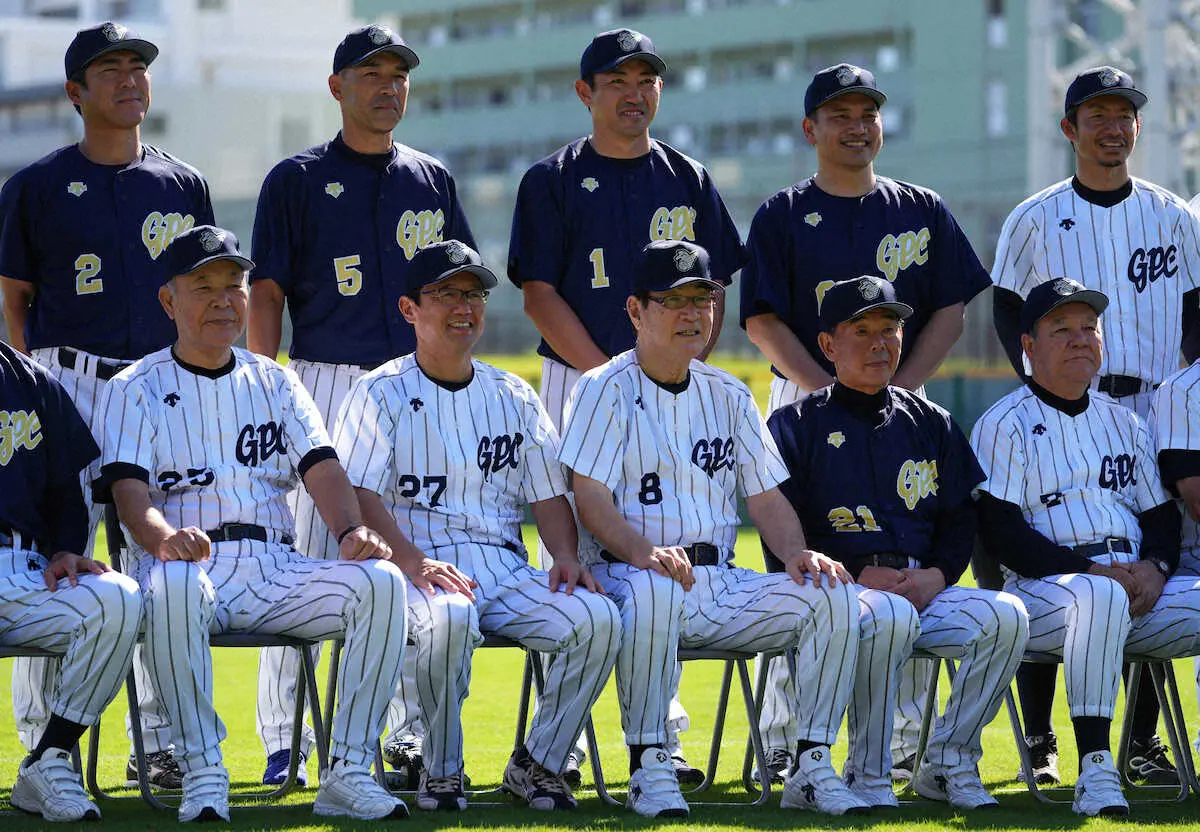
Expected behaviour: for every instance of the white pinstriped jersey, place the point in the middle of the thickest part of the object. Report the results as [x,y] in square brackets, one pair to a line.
[1143,252]
[674,462]
[1078,479]
[218,447]
[452,466]
[1175,425]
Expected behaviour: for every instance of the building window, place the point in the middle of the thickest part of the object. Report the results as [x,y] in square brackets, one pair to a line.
[997,108]
[997,26]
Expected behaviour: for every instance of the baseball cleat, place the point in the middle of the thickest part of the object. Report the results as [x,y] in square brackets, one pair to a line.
[1098,789]
[349,790]
[653,789]
[1149,765]
[52,788]
[540,788]
[445,794]
[404,755]
[902,770]
[816,786]
[277,769]
[205,795]
[1043,759]
[959,786]
[574,773]
[161,770]
[685,773]
[779,765]
[876,792]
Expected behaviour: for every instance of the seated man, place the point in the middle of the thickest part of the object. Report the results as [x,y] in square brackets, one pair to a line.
[203,443]
[660,445]
[881,478]
[1074,507]
[50,597]
[445,452]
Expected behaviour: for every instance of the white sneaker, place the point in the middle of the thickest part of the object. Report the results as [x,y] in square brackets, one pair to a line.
[653,789]
[959,786]
[876,792]
[350,791]
[816,786]
[205,794]
[51,788]
[1098,789]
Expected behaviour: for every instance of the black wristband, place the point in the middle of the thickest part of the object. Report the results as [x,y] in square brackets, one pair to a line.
[349,529]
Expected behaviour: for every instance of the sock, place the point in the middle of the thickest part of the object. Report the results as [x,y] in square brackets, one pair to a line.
[635,755]
[60,733]
[1091,734]
[1035,686]
[1145,713]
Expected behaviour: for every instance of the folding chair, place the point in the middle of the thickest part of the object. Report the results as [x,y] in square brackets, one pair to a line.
[116,544]
[14,652]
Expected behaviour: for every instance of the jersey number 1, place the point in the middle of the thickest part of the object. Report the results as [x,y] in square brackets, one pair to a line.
[87,266]
[599,278]
[349,278]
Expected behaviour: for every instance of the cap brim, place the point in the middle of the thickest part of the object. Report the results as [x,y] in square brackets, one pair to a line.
[486,276]
[659,65]
[144,49]
[1138,98]
[1097,300]
[245,262]
[901,309]
[874,94]
[409,56]
[684,281]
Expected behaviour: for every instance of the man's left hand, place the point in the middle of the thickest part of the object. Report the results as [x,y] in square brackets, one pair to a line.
[921,585]
[69,565]
[810,564]
[363,543]
[1150,583]
[568,573]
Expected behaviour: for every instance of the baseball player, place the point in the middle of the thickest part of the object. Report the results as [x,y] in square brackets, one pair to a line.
[335,233]
[50,596]
[1136,242]
[583,215]
[904,524]
[202,444]
[445,451]
[842,222]
[660,446]
[1074,507]
[82,232]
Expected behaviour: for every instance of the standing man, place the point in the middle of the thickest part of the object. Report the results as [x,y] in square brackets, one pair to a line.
[82,232]
[1073,505]
[1140,245]
[446,452]
[583,215]
[660,446]
[881,479]
[335,233]
[843,222]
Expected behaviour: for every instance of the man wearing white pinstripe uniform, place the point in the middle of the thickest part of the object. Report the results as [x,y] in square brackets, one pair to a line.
[660,445]
[202,444]
[1074,507]
[445,452]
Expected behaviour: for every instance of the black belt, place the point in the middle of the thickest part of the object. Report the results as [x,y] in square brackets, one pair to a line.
[891,560]
[1120,386]
[1110,544]
[105,369]
[700,554]
[233,532]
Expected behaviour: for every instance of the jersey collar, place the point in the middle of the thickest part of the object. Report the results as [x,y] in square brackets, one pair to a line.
[205,371]
[375,161]
[1105,199]
[1071,407]
[870,407]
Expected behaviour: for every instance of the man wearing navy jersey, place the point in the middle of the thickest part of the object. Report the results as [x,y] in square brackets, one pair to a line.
[584,213]
[842,222]
[82,232]
[335,233]
[51,597]
[881,480]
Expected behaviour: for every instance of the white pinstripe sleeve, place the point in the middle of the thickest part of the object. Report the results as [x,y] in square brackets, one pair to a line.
[1149,491]
[1175,415]
[760,467]
[129,432]
[592,430]
[544,477]
[304,428]
[1190,261]
[1013,268]
[1002,456]
[363,438]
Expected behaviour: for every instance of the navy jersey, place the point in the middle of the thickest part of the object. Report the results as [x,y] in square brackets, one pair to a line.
[44,444]
[804,240]
[89,238]
[582,219]
[864,485]
[336,229]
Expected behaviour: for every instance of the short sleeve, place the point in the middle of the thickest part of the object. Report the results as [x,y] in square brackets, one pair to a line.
[458,228]
[1189,232]
[363,437]
[305,430]
[1013,268]
[767,276]
[15,214]
[718,234]
[544,477]
[790,439]
[1001,457]
[127,427]
[74,447]
[1175,418]
[275,224]
[535,247]
[960,470]
[760,467]
[960,275]
[1149,491]
[592,428]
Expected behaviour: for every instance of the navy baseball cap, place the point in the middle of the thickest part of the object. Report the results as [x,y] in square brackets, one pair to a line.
[362,43]
[849,299]
[1046,297]
[89,44]
[840,79]
[608,50]
[668,264]
[1103,80]
[437,261]
[200,245]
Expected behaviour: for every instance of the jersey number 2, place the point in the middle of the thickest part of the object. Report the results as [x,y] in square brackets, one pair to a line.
[87,267]
[599,278]
[349,279]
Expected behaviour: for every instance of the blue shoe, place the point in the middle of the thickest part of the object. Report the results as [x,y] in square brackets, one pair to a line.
[277,769]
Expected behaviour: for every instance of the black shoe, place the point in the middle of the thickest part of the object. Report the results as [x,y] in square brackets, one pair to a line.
[686,774]
[405,757]
[1149,765]
[1043,759]
[574,775]
[161,770]
[779,765]
[902,770]
[540,788]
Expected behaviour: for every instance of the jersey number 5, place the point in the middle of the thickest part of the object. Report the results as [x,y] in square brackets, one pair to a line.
[87,267]
[349,278]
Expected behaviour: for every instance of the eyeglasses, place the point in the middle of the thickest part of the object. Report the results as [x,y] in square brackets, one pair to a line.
[453,297]
[677,302]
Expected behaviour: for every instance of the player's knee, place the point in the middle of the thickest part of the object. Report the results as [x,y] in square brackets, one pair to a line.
[453,615]
[378,583]
[120,602]
[1097,598]
[649,590]
[602,623]
[1011,621]
[175,585]
[892,618]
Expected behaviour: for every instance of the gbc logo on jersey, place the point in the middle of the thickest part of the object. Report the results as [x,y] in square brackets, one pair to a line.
[19,430]
[158,230]
[418,229]
[676,223]
[258,444]
[1117,472]
[713,456]
[1148,265]
[916,481]
[494,454]
[896,252]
